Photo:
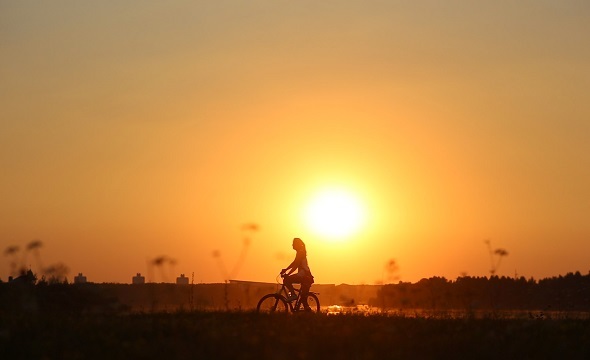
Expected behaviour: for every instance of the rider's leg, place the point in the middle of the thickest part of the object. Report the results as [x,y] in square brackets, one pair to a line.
[288,281]
[305,286]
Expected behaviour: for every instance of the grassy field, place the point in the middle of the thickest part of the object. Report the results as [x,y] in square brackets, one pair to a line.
[246,335]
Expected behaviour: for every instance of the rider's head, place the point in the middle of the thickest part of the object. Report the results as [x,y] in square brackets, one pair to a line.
[298,244]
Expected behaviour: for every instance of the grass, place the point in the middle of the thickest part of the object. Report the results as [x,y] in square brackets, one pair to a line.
[247,335]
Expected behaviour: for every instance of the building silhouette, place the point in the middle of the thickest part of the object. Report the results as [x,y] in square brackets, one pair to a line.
[80,279]
[138,279]
[182,280]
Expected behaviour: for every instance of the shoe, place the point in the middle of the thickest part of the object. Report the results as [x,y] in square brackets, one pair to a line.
[291,297]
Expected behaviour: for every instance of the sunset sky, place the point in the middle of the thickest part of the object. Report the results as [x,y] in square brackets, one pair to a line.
[131,130]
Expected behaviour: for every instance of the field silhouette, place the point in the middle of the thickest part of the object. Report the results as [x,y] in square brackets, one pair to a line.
[247,335]
[470,317]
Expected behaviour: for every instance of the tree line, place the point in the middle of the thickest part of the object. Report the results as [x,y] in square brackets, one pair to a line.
[561,293]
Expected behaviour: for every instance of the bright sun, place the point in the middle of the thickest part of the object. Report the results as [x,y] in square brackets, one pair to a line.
[335,214]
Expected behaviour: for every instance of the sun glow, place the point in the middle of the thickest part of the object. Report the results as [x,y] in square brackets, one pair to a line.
[335,214]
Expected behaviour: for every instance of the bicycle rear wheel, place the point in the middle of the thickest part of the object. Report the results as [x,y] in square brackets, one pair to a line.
[272,303]
[313,302]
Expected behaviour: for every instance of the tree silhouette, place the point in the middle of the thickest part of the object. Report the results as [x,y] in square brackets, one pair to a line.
[389,272]
[500,253]
[33,247]
[160,263]
[56,273]
[12,251]
[247,232]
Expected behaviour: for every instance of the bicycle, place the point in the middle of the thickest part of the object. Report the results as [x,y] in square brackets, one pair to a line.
[278,302]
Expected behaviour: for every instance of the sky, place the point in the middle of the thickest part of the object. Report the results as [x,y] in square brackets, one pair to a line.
[201,132]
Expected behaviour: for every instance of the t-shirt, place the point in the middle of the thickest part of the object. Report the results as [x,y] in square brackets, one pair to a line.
[302,265]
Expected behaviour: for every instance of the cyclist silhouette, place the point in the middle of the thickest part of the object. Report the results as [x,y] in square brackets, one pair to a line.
[303,275]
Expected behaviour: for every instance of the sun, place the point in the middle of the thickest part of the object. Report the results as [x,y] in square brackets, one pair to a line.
[335,214]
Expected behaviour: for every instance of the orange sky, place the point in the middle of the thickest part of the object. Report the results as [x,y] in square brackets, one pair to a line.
[130,131]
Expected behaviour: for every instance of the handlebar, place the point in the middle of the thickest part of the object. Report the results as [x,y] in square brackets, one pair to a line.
[281,276]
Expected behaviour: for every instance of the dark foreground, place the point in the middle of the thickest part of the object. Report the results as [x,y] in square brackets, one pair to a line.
[245,335]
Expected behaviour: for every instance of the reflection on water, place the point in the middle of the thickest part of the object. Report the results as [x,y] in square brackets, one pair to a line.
[456,313]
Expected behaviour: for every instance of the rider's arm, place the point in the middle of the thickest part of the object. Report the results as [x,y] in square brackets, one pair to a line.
[289,269]
[294,265]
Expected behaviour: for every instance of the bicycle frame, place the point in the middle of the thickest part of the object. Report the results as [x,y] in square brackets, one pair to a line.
[278,301]
[284,292]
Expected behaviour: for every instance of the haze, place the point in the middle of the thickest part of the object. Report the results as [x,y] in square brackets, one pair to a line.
[133,130]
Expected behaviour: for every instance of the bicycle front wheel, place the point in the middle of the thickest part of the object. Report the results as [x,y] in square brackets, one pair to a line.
[272,303]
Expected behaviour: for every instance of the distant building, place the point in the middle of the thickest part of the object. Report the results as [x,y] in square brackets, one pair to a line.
[138,279]
[80,279]
[182,280]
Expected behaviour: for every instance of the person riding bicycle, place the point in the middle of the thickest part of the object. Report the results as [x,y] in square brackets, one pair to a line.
[303,275]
